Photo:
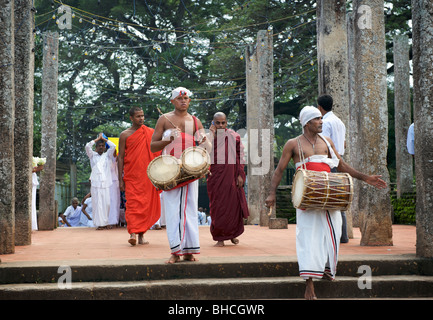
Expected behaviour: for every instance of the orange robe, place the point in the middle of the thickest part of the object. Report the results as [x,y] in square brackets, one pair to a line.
[143,205]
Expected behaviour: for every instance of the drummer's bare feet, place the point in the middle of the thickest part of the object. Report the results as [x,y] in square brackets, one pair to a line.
[327,277]
[219,244]
[235,240]
[132,240]
[189,257]
[173,259]
[309,290]
[141,239]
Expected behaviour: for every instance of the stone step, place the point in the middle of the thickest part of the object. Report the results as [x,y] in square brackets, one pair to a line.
[394,286]
[242,267]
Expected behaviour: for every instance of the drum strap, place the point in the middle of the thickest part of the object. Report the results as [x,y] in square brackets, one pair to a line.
[301,154]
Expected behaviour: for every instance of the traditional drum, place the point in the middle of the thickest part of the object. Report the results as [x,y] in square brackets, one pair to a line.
[164,172]
[322,190]
[195,162]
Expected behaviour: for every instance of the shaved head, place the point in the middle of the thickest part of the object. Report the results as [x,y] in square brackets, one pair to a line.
[219,114]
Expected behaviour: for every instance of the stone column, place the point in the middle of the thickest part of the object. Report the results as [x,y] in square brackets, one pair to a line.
[352,128]
[332,55]
[49,131]
[422,18]
[372,116]
[24,83]
[7,106]
[333,65]
[402,114]
[260,126]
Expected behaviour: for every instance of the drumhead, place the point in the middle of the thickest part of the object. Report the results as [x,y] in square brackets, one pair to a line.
[298,188]
[163,169]
[194,159]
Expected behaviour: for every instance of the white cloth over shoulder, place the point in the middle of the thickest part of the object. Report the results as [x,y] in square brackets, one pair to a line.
[332,162]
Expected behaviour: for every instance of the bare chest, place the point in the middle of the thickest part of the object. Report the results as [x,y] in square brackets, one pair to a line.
[185,124]
[307,148]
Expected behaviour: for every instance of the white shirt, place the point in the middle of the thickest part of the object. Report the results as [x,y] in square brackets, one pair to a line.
[101,165]
[335,129]
[411,139]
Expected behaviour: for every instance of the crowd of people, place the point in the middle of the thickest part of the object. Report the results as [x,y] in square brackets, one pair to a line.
[176,209]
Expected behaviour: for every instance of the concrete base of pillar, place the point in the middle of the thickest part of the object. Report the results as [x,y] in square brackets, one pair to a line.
[278,223]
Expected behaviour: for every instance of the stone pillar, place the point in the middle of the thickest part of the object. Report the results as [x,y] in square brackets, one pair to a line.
[49,131]
[352,128]
[422,19]
[7,106]
[24,83]
[333,65]
[260,126]
[402,114]
[372,116]
[332,55]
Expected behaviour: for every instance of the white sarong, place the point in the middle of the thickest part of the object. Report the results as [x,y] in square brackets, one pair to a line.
[180,206]
[318,235]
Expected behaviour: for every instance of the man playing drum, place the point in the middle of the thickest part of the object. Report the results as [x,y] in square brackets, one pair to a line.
[175,131]
[318,230]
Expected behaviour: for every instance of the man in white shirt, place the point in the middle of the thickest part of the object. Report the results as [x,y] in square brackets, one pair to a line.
[335,129]
[101,179]
[332,126]
[410,143]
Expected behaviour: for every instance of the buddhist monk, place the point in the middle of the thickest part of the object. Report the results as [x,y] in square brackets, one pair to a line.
[227,201]
[143,206]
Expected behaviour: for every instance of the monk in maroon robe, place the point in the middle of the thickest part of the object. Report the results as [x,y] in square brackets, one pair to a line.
[227,201]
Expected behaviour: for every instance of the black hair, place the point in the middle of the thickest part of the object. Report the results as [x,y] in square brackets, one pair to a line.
[133,110]
[325,101]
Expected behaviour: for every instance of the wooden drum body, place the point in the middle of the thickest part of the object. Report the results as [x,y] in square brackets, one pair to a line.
[322,190]
[195,162]
[164,171]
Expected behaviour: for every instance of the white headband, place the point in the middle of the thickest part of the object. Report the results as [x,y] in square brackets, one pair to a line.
[180,91]
[308,113]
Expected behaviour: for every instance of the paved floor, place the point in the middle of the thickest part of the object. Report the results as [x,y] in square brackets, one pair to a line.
[88,244]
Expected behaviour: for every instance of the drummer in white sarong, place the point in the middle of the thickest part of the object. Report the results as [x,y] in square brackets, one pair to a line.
[317,231]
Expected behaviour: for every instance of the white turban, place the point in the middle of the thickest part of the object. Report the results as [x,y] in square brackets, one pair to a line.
[308,113]
[180,91]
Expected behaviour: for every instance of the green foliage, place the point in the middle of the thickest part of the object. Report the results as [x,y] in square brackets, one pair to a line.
[122,53]
[404,208]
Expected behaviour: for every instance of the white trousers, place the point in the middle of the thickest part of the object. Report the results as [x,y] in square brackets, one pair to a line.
[318,235]
[100,206]
[113,216]
[180,206]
